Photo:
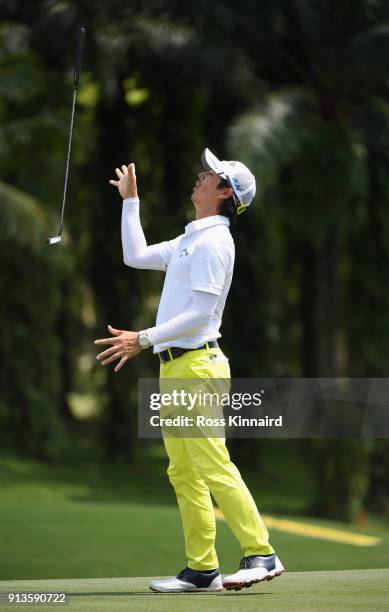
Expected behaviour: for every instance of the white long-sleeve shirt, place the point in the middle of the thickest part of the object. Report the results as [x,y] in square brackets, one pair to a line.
[198,266]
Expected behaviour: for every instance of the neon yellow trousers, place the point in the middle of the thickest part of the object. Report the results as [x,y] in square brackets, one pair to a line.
[201,466]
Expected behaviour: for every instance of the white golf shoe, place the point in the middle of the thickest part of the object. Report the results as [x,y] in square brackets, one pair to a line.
[189,581]
[253,569]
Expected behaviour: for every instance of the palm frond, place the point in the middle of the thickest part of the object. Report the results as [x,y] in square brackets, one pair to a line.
[23,130]
[268,136]
[22,217]
[367,58]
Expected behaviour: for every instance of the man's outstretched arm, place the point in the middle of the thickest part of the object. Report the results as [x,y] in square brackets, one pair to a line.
[136,253]
[124,344]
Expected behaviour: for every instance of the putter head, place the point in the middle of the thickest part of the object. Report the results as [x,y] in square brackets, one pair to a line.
[53,240]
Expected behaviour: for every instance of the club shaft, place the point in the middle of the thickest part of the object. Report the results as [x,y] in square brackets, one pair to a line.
[65,187]
[77,68]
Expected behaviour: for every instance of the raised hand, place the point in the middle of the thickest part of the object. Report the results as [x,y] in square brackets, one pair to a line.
[127,181]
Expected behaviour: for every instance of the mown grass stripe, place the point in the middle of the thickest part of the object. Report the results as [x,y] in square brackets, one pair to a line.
[314,531]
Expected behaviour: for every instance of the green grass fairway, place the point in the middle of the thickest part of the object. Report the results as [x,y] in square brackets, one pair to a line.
[92,522]
[52,538]
[342,590]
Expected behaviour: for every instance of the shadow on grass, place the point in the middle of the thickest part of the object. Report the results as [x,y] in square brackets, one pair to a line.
[86,477]
[86,480]
[150,593]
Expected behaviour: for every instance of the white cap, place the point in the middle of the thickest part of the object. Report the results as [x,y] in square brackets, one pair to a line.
[237,174]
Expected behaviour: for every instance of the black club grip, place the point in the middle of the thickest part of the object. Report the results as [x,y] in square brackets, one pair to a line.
[79,50]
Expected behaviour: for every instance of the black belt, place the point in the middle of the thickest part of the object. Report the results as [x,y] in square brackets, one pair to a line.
[176,351]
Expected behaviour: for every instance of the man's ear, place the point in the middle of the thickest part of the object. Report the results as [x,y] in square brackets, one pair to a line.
[226,193]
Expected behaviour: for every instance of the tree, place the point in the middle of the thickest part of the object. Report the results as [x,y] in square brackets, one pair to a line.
[316,152]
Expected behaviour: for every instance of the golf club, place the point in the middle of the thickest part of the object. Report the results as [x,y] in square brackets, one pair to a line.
[77,68]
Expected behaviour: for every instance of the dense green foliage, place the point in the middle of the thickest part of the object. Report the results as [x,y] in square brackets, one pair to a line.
[296,89]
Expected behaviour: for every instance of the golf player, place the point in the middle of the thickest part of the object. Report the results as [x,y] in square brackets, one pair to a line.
[199,267]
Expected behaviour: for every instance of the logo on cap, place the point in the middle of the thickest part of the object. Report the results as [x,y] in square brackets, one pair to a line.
[236,183]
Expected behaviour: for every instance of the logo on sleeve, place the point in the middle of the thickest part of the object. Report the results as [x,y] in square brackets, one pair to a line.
[184,253]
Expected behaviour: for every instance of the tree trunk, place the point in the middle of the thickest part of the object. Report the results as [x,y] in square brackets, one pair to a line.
[308,305]
[327,307]
[117,302]
[65,362]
